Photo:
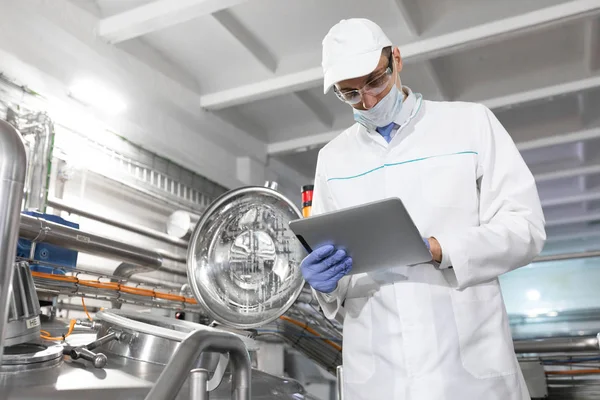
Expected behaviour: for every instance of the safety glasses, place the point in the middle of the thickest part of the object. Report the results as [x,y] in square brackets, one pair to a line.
[374,87]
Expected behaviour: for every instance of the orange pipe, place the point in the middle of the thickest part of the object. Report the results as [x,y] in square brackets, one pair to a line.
[311,330]
[116,287]
[575,372]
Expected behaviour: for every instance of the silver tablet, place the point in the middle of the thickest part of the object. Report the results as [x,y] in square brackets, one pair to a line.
[378,235]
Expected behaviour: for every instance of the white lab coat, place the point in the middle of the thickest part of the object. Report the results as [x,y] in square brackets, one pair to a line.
[430,332]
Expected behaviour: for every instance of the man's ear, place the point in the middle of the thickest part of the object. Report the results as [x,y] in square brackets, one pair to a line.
[398,58]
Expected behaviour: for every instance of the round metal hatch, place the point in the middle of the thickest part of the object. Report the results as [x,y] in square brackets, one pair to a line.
[244,261]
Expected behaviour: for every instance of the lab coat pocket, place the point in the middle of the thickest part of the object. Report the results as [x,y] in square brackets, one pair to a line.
[447,181]
[359,364]
[485,341]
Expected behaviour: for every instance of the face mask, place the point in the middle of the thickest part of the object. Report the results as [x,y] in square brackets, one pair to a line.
[383,113]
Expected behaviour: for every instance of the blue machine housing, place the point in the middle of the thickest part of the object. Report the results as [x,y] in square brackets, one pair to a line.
[48,253]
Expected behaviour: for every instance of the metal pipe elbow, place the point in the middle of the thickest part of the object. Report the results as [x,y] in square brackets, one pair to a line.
[13,158]
[188,353]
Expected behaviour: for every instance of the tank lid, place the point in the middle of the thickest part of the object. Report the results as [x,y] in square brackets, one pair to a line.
[243,260]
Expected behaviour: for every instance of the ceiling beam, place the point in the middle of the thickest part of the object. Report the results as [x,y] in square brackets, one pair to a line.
[583,108]
[315,106]
[157,15]
[301,144]
[592,44]
[312,141]
[568,173]
[408,18]
[247,39]
[420,50]
[573,137]
[572,236]
[442,87]
[571,199]
[543,93]
[584,233]
[66,29]
[577,219]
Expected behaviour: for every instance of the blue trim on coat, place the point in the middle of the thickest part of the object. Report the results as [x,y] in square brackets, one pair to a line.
[400,163]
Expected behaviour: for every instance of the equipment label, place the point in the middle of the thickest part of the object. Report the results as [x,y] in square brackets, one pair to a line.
[33,322]
[82,238]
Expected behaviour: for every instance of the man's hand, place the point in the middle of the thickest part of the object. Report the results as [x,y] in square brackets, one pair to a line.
[324,267]
[435,249]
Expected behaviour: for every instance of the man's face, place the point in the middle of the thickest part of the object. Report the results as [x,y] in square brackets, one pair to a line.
[369,100]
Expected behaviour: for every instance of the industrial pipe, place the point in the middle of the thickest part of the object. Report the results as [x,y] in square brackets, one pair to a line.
[198,384]
[558,345]
[142,230]
[13,162]
[188,353]
[567,256]
[40,230]
[339,383]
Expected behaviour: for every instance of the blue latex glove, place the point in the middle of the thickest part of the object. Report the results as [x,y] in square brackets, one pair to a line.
[324,267]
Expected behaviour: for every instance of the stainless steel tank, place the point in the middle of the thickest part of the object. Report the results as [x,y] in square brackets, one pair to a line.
[24,308]
[24,350]
[243,266]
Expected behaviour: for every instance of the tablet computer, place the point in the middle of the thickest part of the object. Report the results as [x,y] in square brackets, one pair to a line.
[378,235]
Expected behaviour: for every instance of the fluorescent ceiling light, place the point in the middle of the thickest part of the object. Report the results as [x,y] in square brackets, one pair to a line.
[98,96]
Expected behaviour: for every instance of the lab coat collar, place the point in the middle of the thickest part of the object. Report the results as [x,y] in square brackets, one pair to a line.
[410,106]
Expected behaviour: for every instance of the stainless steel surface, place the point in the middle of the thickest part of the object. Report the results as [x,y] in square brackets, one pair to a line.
[535,378]
[171,256]
[129,226]
[37,130]
[198,388]
[272,185]
[127,270]
[30,356]
[219,373]
[40,230]
[123,379]
[175,373]
[558,345]
[243,260]
[13,162]
[151,338]
[339,384]
[23,323]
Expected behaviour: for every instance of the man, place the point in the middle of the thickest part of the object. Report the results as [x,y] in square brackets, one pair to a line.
[437,331]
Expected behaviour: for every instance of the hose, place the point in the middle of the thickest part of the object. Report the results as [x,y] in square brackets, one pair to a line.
[85,309]
[311,331]
[116,287]
[46,335]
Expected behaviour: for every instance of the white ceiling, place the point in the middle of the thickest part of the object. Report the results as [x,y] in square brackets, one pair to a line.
[535,63]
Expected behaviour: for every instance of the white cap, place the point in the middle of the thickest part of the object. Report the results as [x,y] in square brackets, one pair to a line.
[352,49]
